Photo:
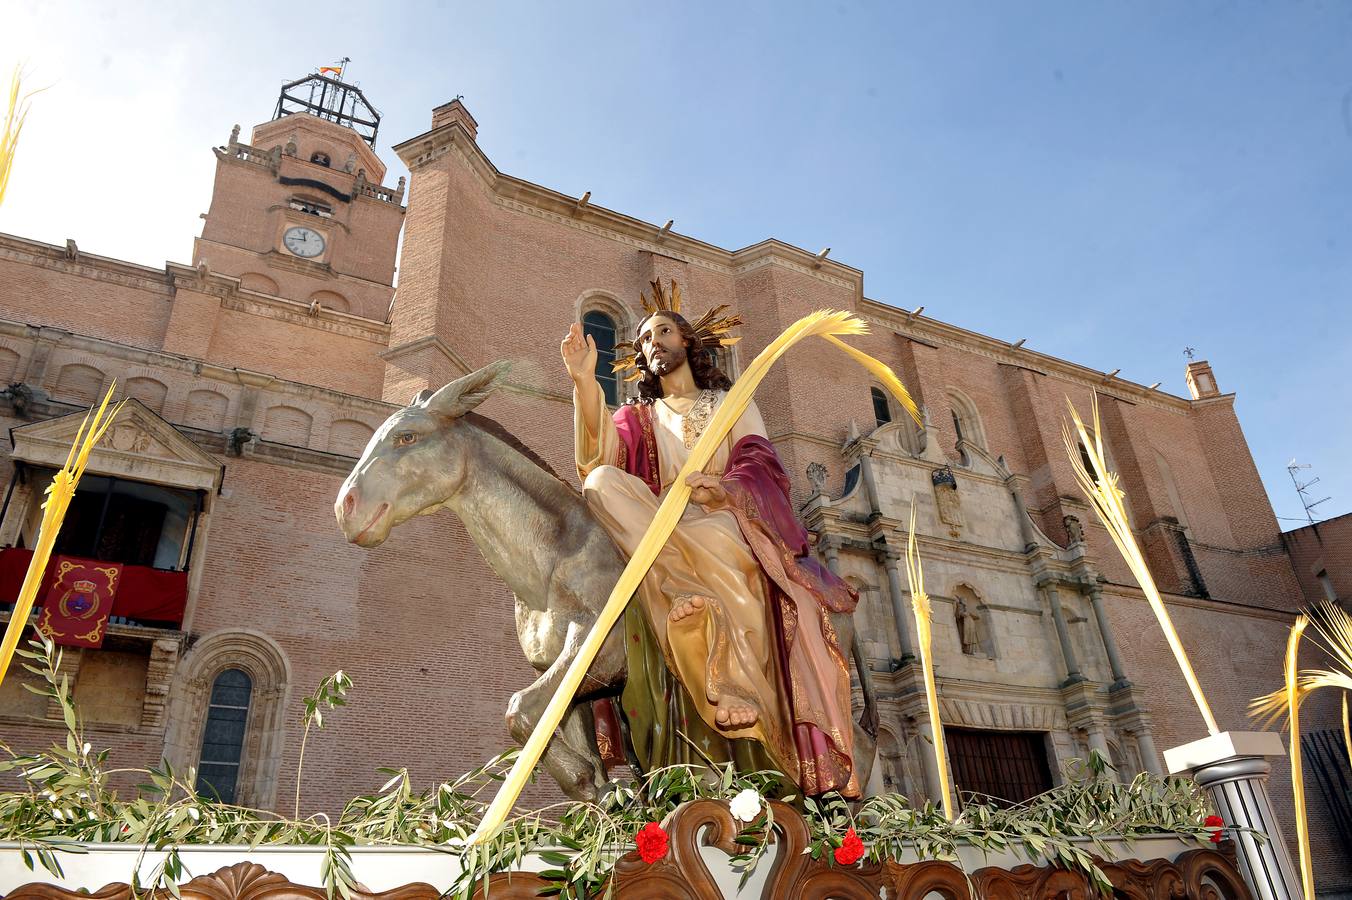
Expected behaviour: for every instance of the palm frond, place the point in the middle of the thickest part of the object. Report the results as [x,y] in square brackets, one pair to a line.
[924,622]
[1106,497]
[15,116]
[59,495]
[883,373]
[1333,634]
[1293,700]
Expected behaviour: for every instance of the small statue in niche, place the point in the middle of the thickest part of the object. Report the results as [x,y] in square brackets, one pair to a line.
[1074,530]
[967,627]
[816,476]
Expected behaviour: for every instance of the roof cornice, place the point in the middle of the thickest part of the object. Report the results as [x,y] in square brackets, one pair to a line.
[933,331]
[525,196]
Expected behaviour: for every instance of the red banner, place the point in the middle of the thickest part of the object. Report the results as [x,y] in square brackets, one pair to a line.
[76,608]
[157,596]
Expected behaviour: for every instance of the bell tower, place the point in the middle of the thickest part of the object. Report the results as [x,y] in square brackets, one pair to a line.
[299,211]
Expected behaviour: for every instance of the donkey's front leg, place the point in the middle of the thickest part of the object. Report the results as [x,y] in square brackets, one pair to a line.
[570,757]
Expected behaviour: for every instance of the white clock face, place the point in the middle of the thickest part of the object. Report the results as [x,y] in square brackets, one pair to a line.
[303,241]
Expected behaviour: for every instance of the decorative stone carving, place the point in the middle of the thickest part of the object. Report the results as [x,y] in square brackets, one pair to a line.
[816,476]
[128,438]
[159,677]
[1074,530]
[238,440]
[946,499]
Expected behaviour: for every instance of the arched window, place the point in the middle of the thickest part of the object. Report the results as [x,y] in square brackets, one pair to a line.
[237,668]
[962,438]
[223,736]
[1087,461]
[882,411]
[601,327]
[966,425]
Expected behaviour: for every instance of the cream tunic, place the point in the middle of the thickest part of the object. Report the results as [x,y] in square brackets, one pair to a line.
[728,653]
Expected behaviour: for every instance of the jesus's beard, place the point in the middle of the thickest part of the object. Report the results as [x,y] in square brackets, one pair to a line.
[668,362]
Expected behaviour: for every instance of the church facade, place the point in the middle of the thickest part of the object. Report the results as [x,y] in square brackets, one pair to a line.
[258,371]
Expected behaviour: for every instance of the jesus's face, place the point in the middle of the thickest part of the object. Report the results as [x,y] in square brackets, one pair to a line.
[662,346]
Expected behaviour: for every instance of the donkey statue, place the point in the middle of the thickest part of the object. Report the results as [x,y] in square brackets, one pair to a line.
[536,533]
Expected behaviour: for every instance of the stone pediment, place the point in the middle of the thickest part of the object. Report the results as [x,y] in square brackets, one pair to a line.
[138,446]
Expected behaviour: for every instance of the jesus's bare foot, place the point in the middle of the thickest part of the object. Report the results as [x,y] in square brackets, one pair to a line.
[685,609]
[734,715]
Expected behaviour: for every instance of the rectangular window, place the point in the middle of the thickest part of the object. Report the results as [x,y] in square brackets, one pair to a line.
[312,208]
[1007,766]
[129,522]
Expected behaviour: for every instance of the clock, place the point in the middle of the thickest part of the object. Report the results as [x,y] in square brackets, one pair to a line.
[302,241]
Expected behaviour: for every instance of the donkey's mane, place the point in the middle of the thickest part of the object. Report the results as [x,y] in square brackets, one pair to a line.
[495,428]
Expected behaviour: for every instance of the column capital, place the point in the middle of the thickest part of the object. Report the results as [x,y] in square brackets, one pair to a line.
[1047,581]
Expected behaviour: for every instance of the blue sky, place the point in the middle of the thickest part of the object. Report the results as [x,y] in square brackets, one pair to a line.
[1113,181]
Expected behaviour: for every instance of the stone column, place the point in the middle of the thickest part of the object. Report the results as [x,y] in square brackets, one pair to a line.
[1150,757]
[900,614]
[1106,632]
[934,787]
[870,482]
[1073,673]
[831,551]
[1232,767]
[1097,741]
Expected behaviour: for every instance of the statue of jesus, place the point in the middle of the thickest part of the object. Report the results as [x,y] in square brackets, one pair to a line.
[737,606]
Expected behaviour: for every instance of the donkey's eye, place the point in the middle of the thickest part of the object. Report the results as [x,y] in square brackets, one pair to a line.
[404,439]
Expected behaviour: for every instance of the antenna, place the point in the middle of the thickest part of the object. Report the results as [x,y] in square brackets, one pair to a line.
[1301,488]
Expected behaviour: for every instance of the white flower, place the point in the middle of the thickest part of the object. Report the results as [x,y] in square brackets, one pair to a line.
[746,805]
[194,814]
[87,748]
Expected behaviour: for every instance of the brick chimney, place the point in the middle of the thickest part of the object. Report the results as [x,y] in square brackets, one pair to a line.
[455,111]
[1201,380]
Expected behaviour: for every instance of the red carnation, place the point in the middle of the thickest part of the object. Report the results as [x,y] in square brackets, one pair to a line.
[851,850]
[1214,824]
[652,843]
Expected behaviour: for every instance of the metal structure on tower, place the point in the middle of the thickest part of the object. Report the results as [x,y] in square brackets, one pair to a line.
[331,99]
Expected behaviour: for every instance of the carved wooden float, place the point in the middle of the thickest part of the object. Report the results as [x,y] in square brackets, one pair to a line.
[691,872]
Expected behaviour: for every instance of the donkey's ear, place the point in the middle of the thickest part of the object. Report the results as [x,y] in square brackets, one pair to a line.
[463,394]
[420,398]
